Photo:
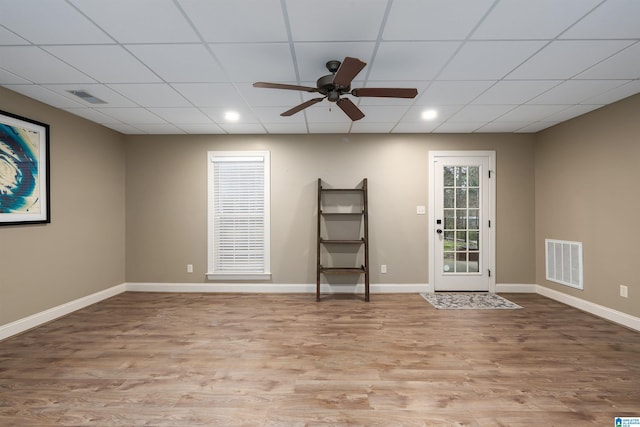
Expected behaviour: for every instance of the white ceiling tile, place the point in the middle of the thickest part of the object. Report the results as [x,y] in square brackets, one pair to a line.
[381,114]
[623,65]
[434,19]
[615,94]
[502,127]
[237,20]
[45,95]
[256,62]
[151,94]
[515,91]
[217,114]
[112,98]
[459,127]
[211,94]
[328,127]
[411,60]
[106,64]
[140,21]
[452,92]
[125,129]
[49,21]
[526,19]
[483,60]
[615,19]
[565,58]
[576,91]
[326,112]
[239,128]
[7,78]
[160,129]
[261,97]
[477,113]
[286,128]
[312,58]
[272,115]
[9,38]
[335,20]
[415,127]
[181,115]
[38,66]
[180,63]
[444,113]
[93,115]
[536,127]
[133,116]
[530,112]
[571,112]
[201,128]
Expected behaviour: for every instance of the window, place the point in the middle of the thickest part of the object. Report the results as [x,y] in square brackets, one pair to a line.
[238,215]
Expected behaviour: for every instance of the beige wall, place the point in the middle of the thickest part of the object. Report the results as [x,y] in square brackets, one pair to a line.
[166,201]
[587,172]
[82,250]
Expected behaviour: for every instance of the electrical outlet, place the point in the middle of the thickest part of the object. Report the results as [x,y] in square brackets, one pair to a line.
[189,268]
[383,268]
[624,291]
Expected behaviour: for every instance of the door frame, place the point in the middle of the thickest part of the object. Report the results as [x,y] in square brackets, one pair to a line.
[491,215]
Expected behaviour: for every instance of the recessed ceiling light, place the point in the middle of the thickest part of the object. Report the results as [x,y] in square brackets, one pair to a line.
[429,114]
[232,116]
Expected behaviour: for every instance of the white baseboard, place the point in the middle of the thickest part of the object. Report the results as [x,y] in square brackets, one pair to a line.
[277,288]
[26,323]
[596,309]
[520,288]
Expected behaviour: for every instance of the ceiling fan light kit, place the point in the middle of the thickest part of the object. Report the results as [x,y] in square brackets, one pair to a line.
[333,86]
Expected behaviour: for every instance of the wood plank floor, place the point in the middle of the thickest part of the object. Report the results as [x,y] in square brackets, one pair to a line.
[284,360]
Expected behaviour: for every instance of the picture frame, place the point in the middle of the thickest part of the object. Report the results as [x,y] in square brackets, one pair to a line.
[24,171]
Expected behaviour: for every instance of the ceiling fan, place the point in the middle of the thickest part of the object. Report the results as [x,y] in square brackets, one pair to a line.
[338,83]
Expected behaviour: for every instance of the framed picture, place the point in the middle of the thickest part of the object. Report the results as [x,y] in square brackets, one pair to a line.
[24,171]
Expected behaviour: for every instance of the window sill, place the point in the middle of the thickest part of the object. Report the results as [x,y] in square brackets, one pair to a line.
[239,276]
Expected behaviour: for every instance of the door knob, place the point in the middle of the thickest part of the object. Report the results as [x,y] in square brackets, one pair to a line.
[439,231]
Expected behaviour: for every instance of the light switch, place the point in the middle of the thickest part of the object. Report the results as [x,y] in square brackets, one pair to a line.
[421,210]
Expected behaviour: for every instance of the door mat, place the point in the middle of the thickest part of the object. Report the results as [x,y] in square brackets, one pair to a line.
[468,301]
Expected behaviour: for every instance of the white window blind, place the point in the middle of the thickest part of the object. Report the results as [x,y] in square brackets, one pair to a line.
[238,215]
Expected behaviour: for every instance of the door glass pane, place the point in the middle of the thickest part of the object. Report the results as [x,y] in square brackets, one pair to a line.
[461,176]
[473,240]
[449,240]
[474,262]
[448,176]
[449,265]
[474,176]
[461,240]
[448,219]
[474,200]
[461,219]
[474,221]
[461,262]
[461,197]
[449,197]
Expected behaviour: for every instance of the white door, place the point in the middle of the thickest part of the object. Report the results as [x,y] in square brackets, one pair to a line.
[461,233]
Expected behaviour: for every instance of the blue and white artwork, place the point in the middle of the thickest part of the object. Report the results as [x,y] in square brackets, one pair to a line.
[23,170]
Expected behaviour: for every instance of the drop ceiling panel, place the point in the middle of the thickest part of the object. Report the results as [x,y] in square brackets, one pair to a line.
[576,91]
[139,21]
[93,115]
[247,63]
[160,129]
[111,97]
[526,19]
[615,94]
[237,20]
[613,19]
[217,115]
[453,92]
[39,22]
[9,38]
[106,64]
[335,20]
[623,65]
[433,19]
[414,114]
[271,115]
[241,128]
[411,60]
[566,58]
[210,94]
[478,113]
[151,95]
[480,60]
[181,116]
[133,116]
[530,112]
[261,97]
[180,63]
[515,91]
[461,127]
[286,128]
[372,127]
[7,78]
[47,96]
[201,128]
[312,57]
[38,66]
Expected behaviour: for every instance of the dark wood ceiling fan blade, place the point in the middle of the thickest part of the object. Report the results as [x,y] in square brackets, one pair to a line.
[348,70]
[301,107]
[267,85]
[385,92]
[350,109]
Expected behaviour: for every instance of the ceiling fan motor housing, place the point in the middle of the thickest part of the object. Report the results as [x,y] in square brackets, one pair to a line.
[326,87]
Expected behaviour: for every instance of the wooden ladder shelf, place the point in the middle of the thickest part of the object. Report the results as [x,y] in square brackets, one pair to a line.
[357,201]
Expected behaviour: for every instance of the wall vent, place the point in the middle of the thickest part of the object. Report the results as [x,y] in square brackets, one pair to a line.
[564,262]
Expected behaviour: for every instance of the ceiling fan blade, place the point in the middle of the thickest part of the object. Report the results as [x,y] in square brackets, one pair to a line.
[350,109]
[283,86]
[302,106]
[348,70]
[385,92]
